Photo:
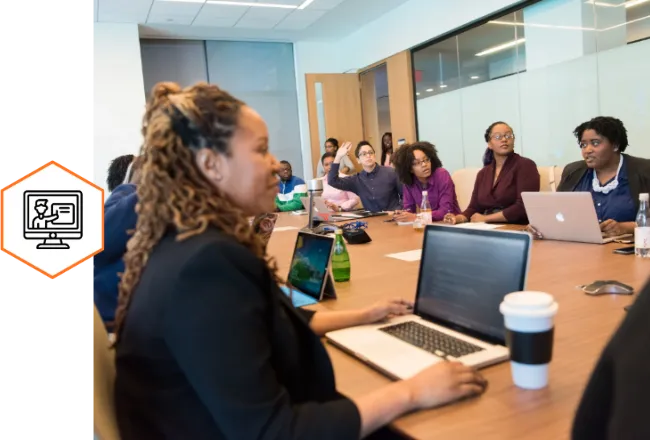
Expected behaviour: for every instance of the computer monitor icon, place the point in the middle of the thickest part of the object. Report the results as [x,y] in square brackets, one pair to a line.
[52,216]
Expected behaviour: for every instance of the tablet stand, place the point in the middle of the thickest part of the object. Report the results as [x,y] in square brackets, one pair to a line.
[329,291]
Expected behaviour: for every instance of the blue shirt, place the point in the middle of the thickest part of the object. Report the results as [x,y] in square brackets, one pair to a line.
[119,218]
[618,204]
[379,190]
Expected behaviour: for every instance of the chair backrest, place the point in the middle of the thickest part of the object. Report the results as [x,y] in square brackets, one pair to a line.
[104,379]
[464,181]
[548,181]
[558,175]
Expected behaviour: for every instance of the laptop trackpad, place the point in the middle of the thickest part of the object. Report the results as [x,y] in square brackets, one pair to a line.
[388,353]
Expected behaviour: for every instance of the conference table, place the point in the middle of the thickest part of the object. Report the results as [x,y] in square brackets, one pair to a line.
[583,326]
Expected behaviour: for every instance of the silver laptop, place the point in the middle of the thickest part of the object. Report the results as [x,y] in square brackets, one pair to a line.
[464,275]
[319,205]
[566,216]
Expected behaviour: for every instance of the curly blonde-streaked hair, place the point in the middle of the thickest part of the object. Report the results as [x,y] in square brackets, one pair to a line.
[173,194]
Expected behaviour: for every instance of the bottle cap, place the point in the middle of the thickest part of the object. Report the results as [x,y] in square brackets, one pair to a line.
[644,197]
[339,232]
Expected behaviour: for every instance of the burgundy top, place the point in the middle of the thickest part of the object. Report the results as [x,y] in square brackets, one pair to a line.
[517,175]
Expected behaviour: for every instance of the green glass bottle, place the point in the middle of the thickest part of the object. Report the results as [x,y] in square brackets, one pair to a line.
[340,259]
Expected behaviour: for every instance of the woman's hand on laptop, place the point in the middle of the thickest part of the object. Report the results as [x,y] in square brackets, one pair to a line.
[612,228]
[444,383]
[534,232]
[386,309]
[332,206]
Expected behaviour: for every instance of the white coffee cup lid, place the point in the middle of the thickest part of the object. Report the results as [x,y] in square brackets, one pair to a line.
[529,303]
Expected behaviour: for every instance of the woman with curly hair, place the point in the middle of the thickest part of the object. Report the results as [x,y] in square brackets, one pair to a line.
[207,345]
[419,169]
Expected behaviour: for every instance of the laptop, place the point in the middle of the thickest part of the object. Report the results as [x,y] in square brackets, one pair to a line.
[309,276]
[319,205]
[464,275]
[565,216]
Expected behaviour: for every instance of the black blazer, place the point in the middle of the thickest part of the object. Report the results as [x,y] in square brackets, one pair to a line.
[638,173]
[212,349]
[615,403]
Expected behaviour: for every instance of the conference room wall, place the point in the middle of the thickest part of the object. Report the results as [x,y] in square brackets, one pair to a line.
[543,106]
[263,76]
[179,61]
[119,100]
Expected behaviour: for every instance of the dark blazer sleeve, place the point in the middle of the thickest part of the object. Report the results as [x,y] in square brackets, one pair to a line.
[343,183]
[527,180]
[571,175]
[219,302]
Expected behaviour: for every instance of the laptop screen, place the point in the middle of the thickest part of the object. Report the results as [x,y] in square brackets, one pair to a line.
[464,275]
[310,263]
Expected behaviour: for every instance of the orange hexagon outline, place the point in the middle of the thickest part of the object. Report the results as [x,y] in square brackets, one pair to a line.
[2,226]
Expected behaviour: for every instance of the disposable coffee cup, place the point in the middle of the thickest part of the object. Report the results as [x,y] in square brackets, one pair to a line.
[528,318]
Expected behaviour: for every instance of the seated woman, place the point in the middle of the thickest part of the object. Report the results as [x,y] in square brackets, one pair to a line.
[497,191]
[347,167]
[387,149]
[336,199]
[120,219]
[207,345]
[376,185]
[614,179]
[418,167]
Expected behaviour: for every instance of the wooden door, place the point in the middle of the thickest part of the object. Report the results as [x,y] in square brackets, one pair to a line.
[334,105]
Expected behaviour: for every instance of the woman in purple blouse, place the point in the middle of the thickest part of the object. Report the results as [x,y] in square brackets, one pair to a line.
[419,169]
[497,190]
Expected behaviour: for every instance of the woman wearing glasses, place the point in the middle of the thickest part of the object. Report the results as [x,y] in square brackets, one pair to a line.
[497,191]
[418,167]
[614,179]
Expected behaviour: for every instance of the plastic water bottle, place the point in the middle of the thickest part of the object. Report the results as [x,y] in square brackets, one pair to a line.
[423,217]
[642,230]
[340,259]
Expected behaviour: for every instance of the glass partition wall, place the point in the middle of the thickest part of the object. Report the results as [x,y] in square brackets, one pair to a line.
[543,69]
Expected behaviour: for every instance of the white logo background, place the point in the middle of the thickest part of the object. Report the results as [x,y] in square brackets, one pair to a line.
[52,261]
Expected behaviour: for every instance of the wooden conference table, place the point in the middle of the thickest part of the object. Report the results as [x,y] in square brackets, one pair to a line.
[584,324]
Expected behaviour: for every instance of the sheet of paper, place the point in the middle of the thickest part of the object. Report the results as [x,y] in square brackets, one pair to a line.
[284,228]
[483,226]
[404,223]
[413,255]
[349,215]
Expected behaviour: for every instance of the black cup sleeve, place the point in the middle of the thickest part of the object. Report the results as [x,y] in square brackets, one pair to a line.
[530,348]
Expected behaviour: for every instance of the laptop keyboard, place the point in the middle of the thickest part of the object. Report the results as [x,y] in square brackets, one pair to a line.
[433,341]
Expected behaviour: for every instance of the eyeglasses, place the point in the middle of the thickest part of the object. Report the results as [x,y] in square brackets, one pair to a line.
[507,136]
[419,163]
[353,226]
[366,153]
[593,143]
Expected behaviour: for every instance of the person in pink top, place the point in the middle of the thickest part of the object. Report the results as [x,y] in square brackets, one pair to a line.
[335,198]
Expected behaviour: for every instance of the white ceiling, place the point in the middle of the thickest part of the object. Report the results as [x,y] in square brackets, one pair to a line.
[322,19]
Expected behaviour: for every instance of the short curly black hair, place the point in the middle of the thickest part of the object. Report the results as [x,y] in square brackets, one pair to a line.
[326,155]
[403,160]
[606,126]
[333,141]
[117,171]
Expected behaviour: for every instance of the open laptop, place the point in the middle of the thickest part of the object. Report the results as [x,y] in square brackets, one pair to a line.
[464,275]
[566,216]
[309,275]
[319,205]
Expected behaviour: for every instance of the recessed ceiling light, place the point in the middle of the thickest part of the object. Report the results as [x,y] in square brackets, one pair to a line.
[442,86]
[417,94]
[429,90]
[501,47]
[305,4]
[251,4]
[182,1]
[473,77]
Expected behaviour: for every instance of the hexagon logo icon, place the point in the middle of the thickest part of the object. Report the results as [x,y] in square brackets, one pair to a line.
[52,219]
